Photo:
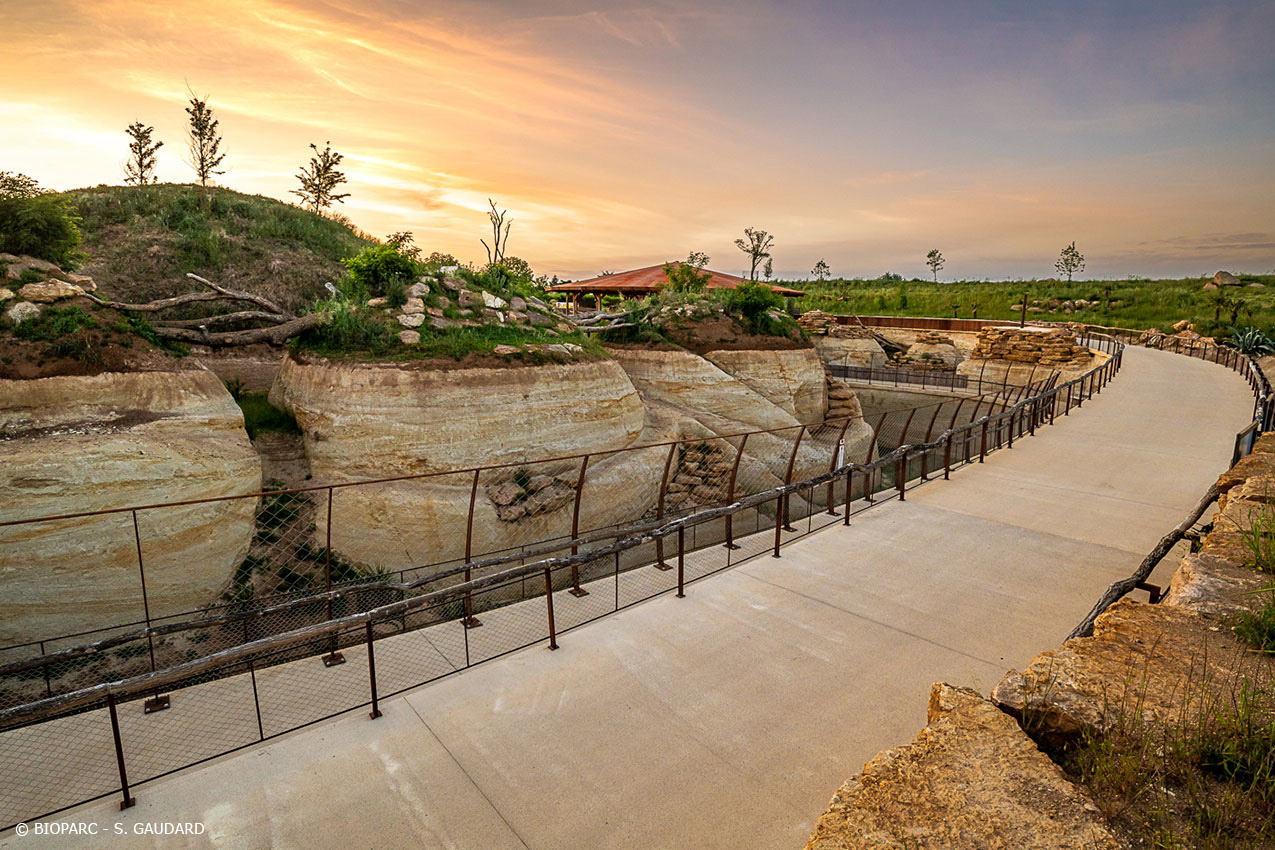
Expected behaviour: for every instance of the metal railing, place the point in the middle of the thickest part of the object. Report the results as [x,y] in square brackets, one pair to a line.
[356,644]
[313,553]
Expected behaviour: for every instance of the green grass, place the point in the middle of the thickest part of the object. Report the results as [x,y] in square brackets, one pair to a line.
[1204,779]
[1135,303]
[373,335]
[144,239]
[260,415]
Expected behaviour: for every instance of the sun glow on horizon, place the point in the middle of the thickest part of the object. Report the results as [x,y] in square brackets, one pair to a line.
[621,137]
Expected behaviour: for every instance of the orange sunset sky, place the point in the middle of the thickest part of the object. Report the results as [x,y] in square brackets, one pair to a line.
[624,134]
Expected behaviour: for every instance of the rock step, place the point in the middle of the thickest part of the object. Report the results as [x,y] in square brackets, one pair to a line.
[970,779]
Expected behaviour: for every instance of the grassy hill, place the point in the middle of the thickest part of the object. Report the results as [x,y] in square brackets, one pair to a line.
[142,240]
[1130,303]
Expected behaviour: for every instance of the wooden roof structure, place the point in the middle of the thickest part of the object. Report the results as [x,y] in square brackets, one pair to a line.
[639,283]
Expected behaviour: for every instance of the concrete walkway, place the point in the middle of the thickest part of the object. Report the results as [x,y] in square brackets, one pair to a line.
[728,718]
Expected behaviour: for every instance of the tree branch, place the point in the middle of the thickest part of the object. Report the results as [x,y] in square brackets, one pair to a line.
[276,335]
[241,296]
[228,318]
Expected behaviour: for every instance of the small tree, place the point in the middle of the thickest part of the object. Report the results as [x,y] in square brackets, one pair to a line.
[756,245]
[320,178]
[688,276]
[405,243]
[821,270]
[203,138]
[140,168]
[768,270]
[499,234]
[1070,261]
[935,261]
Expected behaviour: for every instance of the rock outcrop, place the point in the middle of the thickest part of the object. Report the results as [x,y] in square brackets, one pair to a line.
[971,779]
[76,444]
[792,380]
[365,421]
[1020,356]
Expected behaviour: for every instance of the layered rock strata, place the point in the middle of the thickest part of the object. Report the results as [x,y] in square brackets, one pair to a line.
[78,444]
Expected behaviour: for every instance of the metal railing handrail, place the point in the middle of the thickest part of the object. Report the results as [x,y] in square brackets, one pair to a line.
[32,712]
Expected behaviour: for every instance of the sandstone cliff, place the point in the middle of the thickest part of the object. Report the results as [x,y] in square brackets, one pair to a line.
[380,420]
[792,380]
[74,444]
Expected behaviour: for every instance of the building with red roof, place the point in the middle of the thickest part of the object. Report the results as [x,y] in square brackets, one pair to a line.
[640,283]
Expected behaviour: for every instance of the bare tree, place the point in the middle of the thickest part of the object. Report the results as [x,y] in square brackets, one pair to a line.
[320,178]
[757,246]
[204,139]
[821,270]
[499,234]
[140,168]
[935,261]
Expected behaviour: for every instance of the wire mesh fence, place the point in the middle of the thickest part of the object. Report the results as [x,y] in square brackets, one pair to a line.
[367,618]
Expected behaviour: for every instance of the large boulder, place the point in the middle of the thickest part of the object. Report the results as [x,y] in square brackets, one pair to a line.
[687,392]
[793,380]
[1226,279]
[970,779]
[78,444]
[838,351]
[1152,659]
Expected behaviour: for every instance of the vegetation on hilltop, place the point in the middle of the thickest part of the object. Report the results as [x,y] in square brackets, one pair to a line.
[81,338]
[1132,303]
[380,280]
[748,316]
[140,239]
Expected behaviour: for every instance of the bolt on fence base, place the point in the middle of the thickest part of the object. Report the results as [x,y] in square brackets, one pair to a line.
[333,658]
[159,702]
[576,589]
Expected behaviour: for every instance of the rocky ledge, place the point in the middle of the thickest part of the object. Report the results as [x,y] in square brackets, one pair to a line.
[976,776]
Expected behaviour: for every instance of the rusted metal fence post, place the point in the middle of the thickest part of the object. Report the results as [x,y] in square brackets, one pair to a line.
[849,495]
[982,447]
[553,635]
[681,562]
[157,702]
[792,460]
[576,589]
[128,802]
[333,657]
[837,454]
[470,620]
[371,671]
[659,508]
[779,523]
[947,457]
[901,474]
[730,493]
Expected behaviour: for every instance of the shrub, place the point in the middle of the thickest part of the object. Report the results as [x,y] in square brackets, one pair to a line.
[54,323]
[1251,341]
[37,224]
[752,301]
[372,269]
[686,277]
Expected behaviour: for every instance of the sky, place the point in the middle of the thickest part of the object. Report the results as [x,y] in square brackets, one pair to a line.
[626,134]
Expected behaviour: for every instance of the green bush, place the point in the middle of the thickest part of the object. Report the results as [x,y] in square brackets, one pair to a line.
[372,270]
[54,323]
[351,330]
[752,301]
[42,226]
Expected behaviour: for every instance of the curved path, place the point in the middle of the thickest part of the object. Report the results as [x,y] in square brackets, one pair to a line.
[727,719]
